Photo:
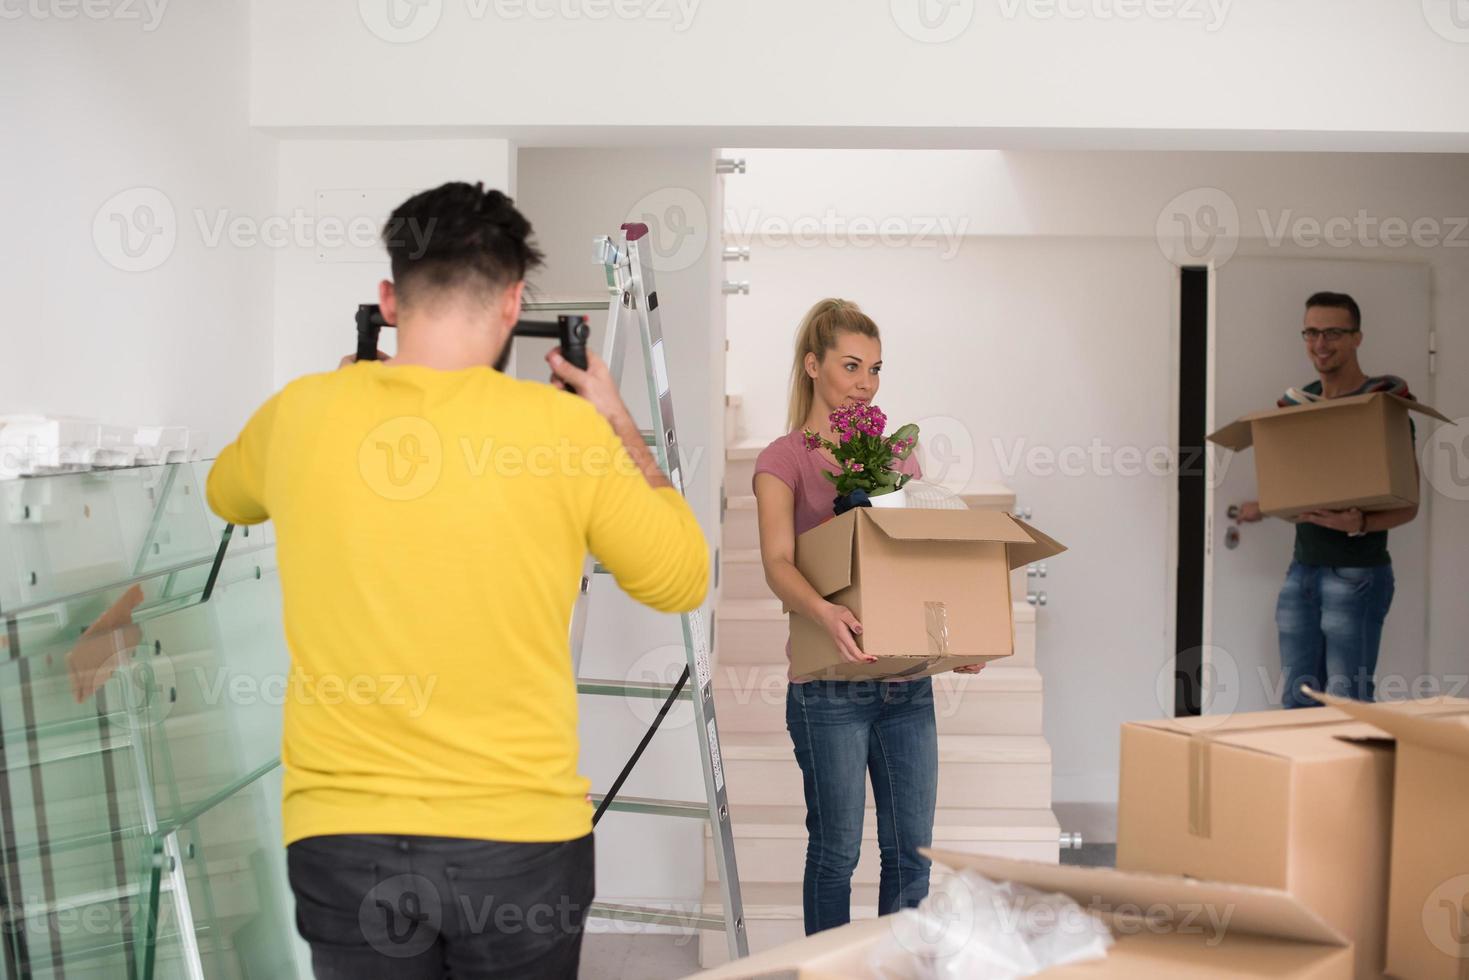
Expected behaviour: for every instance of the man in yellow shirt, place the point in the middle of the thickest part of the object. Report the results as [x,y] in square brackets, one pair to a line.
[432,516]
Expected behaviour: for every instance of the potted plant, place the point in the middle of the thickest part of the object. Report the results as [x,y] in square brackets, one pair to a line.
[867,457]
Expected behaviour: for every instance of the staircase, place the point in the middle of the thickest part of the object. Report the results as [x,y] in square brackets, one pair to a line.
[994,764]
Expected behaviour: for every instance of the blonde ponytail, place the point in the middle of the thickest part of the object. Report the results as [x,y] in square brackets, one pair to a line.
[817,334]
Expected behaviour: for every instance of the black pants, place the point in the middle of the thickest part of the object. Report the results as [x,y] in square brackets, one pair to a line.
[414,908]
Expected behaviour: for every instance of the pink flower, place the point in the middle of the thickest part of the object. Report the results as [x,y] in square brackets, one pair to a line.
[812,440]
[857,467]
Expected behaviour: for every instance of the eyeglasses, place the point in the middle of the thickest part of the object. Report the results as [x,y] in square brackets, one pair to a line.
[1332,334]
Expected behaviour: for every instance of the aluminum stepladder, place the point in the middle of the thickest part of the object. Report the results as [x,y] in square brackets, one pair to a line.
[632,293]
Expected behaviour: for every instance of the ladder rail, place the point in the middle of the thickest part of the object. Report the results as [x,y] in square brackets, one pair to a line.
[631,283]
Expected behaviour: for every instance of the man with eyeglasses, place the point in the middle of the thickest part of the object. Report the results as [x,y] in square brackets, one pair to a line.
[1340,582]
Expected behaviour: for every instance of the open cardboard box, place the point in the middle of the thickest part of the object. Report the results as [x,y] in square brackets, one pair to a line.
[1428,884]
[930,587]
[1164,926]
[1295,800]
[1332,454]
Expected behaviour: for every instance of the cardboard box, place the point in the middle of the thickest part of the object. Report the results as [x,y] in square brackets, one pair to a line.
[930,587]
[1164,926]
[1428,887]
[1332,454]
[1299,801]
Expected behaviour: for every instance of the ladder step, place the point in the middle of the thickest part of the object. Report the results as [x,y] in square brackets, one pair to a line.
[566,305]
[662,917]
[656,807]
[630,689]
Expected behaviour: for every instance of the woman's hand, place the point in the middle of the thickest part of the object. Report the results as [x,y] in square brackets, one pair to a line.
[843,628]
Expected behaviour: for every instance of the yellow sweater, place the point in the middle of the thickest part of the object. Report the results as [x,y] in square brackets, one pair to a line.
[430,528]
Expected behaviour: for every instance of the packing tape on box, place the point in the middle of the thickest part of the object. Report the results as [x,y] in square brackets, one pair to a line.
[936,620]
[1200,746]
[1200,749]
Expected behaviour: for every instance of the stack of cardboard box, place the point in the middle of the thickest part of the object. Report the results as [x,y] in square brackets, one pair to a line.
[1322,843]
[1357,810]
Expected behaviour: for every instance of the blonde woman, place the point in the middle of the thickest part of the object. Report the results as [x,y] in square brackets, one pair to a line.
[842,731]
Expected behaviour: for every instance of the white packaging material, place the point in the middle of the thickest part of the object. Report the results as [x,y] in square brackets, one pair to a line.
[35,445]
[976,929]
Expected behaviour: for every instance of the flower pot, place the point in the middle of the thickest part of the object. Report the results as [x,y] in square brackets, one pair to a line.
[897,498]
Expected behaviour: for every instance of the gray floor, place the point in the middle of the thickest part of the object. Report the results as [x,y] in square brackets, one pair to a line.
[614,957]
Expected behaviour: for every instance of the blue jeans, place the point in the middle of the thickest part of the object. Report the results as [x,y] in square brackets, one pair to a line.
[844,731]
[1330,622]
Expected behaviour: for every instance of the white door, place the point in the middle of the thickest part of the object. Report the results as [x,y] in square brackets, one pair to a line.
[1257,353]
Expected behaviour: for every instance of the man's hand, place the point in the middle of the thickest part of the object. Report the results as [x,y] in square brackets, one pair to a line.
[1350,521]
[595,384]
[970,668]
[352,359]
[1249,512]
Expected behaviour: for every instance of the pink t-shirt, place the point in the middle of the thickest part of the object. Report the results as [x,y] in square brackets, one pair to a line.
[788,460]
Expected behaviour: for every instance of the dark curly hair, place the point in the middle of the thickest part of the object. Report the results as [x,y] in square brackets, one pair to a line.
[1338,301]
[458,237]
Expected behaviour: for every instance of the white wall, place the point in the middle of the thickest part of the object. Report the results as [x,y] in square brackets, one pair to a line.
[359,182]
[571,197]
[829,72]
[1031,300]
[97,128]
